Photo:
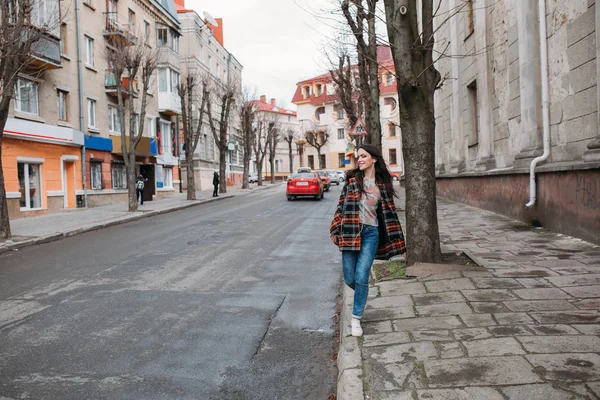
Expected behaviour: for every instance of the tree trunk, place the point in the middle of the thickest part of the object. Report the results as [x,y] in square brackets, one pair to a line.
[418,144]
[272,163]
[191,181]
[222,177]
[259,173]
[245,184]
[4,219]
[131,192]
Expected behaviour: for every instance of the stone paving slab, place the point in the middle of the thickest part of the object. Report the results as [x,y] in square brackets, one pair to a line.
[526,325]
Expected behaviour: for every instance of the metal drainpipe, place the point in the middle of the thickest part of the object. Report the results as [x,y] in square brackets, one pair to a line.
[545,112]
[80,89]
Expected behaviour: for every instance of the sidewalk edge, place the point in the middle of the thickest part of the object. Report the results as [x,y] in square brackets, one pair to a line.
[103,224]
[349,362]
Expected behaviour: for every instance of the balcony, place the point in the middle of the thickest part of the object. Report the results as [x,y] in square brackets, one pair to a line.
[167,56]
[120,34]
[110,85]
[169,103]
[46,53]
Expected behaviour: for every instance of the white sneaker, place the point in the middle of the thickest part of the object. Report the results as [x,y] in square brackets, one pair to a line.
[356,328]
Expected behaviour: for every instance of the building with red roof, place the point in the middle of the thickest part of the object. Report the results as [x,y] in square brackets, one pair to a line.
[319,110]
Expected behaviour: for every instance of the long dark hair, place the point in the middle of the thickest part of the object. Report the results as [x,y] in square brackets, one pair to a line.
[382,173]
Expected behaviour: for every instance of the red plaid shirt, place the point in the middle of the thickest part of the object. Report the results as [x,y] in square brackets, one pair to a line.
[345,227]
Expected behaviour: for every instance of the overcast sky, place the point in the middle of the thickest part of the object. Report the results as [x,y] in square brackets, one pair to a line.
[278,42]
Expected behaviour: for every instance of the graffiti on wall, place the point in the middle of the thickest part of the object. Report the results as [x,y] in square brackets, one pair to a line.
[587,193]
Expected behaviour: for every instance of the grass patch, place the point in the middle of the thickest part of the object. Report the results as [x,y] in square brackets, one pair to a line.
[389,270]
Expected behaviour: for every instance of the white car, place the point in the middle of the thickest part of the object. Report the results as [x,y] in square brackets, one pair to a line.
[253,178]
[342,175]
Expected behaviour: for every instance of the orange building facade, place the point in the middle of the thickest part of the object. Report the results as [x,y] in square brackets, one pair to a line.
[42,167]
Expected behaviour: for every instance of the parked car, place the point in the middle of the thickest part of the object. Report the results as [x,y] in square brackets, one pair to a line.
[304,184]
[342,175]
[325,178]
[304,169]
[253,178]
[334,177]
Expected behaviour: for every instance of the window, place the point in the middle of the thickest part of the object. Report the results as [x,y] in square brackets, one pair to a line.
[319,89]
[96,175]
[311,162]
[391,129]
[91,114]
[45,14]
[340,133]
[306,92]
[174,41]
[393,157]
[131,19]
[470,18]
[322,137]
[168,177]
[389,79]
[322,161]
[168,81]
[89,51]
[319,111]
[166,140]
[150,127]
[146,31]
[63,39]
[474,111]
[210,64]
[217,70]
[340,112]
[114,124]
[119,176]
[162,36]
[26,96]
[62,99]
[29,185]
[390,101]
[341,160]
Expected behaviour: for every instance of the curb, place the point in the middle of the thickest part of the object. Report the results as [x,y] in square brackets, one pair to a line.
[349,362]
[101,225]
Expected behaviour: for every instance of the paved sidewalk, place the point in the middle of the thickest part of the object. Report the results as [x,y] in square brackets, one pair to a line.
[525,326]
[50,227]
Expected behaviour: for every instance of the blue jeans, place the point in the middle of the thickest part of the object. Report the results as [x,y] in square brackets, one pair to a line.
[357,266]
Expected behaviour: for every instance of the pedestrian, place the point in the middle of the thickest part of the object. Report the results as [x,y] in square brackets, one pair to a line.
[365,225]
[216,184]
[139,188]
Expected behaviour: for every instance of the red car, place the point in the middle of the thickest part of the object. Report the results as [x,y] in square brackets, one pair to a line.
[304,184]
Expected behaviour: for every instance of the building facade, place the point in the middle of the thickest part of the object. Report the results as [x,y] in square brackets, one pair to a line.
[287,126]
[320,112]
[489,112]
[203,53]
[64,117]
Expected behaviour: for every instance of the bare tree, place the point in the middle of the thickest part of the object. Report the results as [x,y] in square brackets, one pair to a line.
[346,90]
[361,21]
[417,80]
[223,99]
[265,129]
[247,118]
[274,138]
[317,139]
[290,138]
[131,63]
[22,34]
[193,92]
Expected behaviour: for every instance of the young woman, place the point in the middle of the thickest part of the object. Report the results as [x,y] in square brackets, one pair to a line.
[365,225]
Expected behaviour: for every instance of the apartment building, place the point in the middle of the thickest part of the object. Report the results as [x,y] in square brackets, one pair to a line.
[491,123]
[107,23]
[287,124]
[320,113]
[59,109]
[203,52]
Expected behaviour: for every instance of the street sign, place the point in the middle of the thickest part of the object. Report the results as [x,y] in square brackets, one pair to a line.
[359,129]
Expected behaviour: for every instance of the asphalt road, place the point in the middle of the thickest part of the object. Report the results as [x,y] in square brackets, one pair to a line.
[228,300]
